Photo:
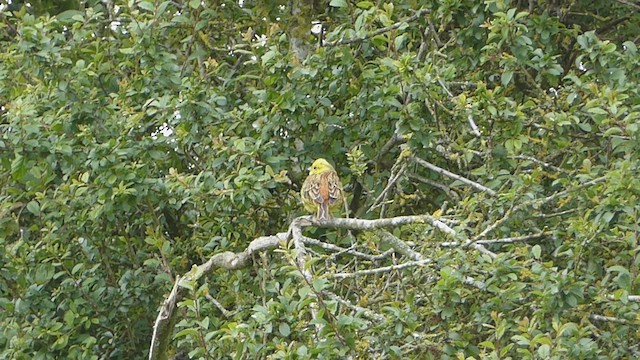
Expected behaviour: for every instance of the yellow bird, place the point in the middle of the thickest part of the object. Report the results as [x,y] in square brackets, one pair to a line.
[322,190]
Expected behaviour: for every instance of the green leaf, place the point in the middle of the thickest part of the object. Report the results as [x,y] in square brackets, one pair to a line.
[506,77]
[44,273]
[536,250]
[364,4]
[339,3]
[284,329]
[33,207]
[630,47]
[147,5]
[488,344]
[70,16]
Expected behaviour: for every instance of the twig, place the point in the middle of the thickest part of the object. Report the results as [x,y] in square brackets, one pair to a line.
[560,213]
[366,312]
[525,204]
[468,280]
[444,87]
[463,84]
[539,162]
[398,245]
[484,250]
[474,128]
[301,263]
[462,179]
[341,250]
[381,269]
[507,240]
[217,304]
[629,3]
[396,139]
[395,176]
[608,319]
[452,194]
[383,30]
[634,298]
[435,33]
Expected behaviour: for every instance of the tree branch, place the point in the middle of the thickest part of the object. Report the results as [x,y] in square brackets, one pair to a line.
[608,319]
[362,224]
[462,179]
[383,30]
[380,270]
[629,3]
[507,240]
[167,316]
[398,245]
[634,298]
[526,204]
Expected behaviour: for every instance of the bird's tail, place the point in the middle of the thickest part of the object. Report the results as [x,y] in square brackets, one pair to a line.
[323,211]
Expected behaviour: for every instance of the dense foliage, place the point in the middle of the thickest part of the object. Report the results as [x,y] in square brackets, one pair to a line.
[138,138]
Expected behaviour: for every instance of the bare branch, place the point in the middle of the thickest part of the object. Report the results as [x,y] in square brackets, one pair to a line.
[166,319]
[395,176]
[396,139]
[398,245]
[634,298]
[163,326]
[363,224]
[608,319]
[629,3]
[559,213]
[474,128]
[452,194]
[484,250]
[507,240]
[366,312]
[380,270]
[217,304]
[167,316]
[539,162]
[383,30]
[526,204]
[468,280]
[338,249]
[462,179]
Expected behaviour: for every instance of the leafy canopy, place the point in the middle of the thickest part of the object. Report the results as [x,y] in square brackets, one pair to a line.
[138,138]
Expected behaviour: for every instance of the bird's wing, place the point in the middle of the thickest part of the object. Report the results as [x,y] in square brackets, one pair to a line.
[334,187]
[312,189]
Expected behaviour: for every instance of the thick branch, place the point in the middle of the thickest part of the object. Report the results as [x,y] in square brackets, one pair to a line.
[165,322]
[166,319]
[362,224]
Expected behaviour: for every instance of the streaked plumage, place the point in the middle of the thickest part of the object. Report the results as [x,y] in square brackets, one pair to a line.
[322,190]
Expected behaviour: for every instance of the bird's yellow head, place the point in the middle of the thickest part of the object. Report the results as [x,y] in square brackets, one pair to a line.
[319,166]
